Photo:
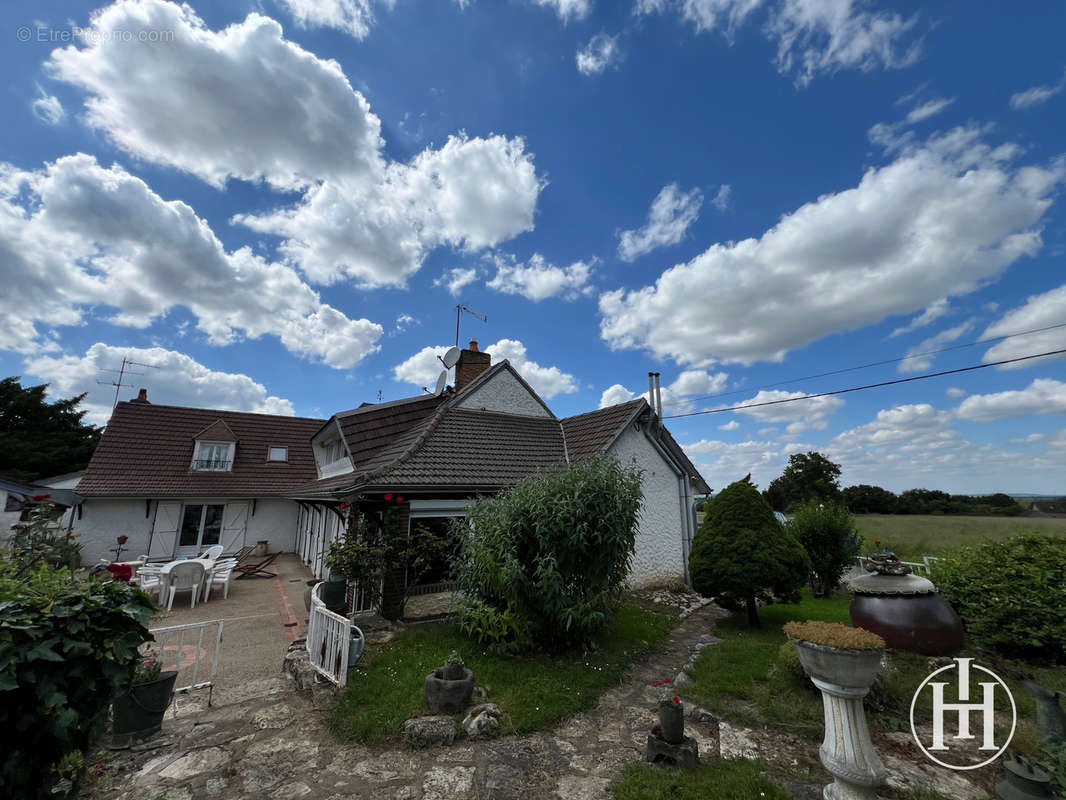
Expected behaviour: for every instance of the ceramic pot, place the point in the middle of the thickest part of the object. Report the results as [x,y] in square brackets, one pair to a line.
[672,721]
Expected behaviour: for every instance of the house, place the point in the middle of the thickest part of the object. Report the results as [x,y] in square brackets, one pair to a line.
[175,480]
[16,499]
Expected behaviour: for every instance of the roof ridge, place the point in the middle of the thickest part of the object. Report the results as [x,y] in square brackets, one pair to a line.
[602,410]
[220,411]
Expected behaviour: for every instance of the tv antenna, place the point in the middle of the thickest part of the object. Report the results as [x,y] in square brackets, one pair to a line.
[122,372]
[459,309]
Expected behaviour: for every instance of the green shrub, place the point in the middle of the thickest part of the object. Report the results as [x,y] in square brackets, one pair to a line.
[742,555]
[1011,594]
[828,533]
[552,552]
[501,631]
[66,646]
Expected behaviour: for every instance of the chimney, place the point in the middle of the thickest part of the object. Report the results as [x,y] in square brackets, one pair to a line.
[472,362]
[142,397]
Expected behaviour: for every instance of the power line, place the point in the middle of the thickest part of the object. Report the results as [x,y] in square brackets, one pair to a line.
[878,363]
[869,385]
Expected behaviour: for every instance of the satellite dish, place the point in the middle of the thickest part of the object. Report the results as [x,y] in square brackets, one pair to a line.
[450,357]
[442,380]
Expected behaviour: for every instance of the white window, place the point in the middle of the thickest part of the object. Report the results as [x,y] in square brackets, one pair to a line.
[278,454]
[213,456]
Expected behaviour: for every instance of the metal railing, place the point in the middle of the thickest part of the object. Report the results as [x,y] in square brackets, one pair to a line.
[211,464]
[187,658]
[917,567]
[328,638]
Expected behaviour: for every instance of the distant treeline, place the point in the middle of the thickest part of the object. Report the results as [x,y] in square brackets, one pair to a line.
[866,499]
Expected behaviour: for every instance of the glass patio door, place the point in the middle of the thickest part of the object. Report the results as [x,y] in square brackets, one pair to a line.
[201,527]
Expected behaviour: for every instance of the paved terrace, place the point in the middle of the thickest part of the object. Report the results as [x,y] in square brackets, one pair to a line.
[260,618]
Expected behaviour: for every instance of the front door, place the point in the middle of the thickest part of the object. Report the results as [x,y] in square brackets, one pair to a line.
[201,527]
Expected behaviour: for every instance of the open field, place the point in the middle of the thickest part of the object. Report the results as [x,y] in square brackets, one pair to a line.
[914,535]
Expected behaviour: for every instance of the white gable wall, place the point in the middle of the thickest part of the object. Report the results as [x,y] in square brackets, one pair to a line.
[505,393]
[659,554]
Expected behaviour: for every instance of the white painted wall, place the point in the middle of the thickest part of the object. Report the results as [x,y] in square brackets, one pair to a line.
[659,551]
[503,392]
[103,520]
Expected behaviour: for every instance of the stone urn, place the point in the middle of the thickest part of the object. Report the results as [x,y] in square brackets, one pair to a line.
[672,721]
[904,609]
[449,689]
[844,676]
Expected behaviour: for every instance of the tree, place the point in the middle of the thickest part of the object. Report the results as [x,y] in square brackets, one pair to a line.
[866,499]
[828,533]
[742,555]
[811,476]
[779,493]
[38,438]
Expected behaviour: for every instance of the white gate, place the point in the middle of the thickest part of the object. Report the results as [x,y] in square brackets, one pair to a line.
[328,638]
[185,656]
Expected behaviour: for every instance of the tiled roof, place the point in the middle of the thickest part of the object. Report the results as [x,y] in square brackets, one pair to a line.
[147,451]
[371,429]
[479,449]
[587,434]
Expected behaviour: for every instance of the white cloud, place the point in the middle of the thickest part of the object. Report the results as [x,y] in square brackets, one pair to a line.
[671,213]
[732,425]
[351,16]
[943,219]
[812,36]
[179,381]
[932,313]
[568,9]
[1039,311]
[47,108]
[678,397]
[76,238]
[422,368]
[537,279]
[1032,438]
[921,356]
[722,462]
[266,109]
[1036,95]
[1042,396]
[602,51]
[955,391]
[405,321]
[801,414]
[722,197]
[928,109]
[456,278]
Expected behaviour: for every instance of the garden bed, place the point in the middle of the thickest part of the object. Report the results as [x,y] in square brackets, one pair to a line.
[753,678]
[533,692]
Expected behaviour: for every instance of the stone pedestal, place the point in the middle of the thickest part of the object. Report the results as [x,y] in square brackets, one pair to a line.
[686,753]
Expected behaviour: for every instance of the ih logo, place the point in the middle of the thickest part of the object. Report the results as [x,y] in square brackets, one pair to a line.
[973,716]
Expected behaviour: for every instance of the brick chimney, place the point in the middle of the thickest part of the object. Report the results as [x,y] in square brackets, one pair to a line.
[472,362]
[142,397]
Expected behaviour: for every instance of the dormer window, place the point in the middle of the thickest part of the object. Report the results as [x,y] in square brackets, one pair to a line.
[278,454]
[213,457]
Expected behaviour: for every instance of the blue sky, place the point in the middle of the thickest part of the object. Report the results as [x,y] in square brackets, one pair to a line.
[280,203]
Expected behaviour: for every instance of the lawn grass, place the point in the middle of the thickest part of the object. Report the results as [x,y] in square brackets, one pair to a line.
[533,692]
[912,536]
[720,779]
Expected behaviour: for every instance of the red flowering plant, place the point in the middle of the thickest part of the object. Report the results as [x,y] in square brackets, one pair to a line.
[148,669]
[667,694]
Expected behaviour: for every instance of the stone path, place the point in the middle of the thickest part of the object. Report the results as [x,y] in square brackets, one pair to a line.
[266,740]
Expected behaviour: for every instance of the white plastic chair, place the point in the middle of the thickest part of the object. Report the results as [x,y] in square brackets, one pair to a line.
[213,553]
[222,574]
[149,579]
[182,576]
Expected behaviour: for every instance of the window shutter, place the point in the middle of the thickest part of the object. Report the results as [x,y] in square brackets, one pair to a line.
[234,526]
[165,530]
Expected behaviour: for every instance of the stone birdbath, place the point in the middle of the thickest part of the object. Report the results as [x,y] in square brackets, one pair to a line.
[843,664]
[450,687]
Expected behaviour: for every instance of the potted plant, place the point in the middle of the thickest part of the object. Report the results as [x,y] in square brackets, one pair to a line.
[843,663]
[137,713]
[671,715]
[449,687]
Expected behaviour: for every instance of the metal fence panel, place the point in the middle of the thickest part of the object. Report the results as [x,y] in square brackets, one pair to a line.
[193,650]
[328,639]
